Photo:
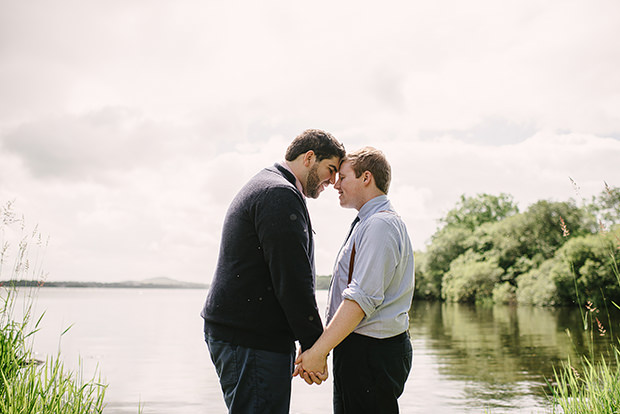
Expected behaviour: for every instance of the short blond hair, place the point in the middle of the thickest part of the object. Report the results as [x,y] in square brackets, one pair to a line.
[372,160]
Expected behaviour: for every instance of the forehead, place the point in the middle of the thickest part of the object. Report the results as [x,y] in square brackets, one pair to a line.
[346,167]
[332,162]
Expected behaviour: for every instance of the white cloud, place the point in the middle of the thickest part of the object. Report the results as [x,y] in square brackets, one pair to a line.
[126,130]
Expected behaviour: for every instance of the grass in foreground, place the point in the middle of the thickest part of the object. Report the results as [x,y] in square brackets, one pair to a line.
[31,386]
[27,385]
[595,388]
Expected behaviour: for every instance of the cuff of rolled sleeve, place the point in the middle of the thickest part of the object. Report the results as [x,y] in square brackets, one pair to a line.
[367,303]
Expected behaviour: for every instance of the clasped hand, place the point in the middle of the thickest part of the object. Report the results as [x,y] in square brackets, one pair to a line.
[311,367]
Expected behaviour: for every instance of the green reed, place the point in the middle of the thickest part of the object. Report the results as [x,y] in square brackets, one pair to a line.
[26,384]
[591,386]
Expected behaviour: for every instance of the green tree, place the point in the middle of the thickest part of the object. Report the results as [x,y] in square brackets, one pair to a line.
[524,241]
[454,237]
[447,244]
[425,288]
[486,248]
[504,293]
[471,212]
[470,279]
[584,269]
[536,287]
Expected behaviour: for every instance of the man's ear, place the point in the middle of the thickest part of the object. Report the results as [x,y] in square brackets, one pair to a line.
[308,158]
[367,177]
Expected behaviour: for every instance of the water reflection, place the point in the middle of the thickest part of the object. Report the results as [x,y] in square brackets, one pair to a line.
[150,349]
[503,354]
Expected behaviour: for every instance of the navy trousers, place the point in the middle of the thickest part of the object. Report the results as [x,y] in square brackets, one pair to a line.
[370,373]
[253,381]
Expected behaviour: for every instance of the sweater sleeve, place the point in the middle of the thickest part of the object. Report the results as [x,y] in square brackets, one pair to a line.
[282,225]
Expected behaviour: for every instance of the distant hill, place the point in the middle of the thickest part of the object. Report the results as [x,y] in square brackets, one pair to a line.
[322,283]
[152,283]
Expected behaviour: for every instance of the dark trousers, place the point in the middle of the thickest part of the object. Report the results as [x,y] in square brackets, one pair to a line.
[370,373]
[253,381]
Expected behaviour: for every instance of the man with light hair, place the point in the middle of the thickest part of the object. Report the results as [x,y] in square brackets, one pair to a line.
[369,297]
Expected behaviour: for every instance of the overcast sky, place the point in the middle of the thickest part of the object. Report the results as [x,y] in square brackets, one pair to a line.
[126,127]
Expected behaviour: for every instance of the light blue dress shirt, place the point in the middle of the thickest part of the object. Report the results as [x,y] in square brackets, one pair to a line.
[383,272]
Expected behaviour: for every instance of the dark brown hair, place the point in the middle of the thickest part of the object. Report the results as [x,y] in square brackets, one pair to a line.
[322,143]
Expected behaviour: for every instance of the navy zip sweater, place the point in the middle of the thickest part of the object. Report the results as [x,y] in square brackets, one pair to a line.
[262,293]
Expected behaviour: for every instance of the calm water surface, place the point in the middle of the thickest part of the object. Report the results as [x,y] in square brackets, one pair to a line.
[148,346]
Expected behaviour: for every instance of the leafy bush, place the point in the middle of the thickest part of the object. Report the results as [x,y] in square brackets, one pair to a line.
[504,293]
[536,286]
[584,269]
[448,244]
[470,280]
[534,252]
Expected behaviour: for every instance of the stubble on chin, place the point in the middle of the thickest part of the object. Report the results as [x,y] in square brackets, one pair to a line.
[312,192]
[313,185]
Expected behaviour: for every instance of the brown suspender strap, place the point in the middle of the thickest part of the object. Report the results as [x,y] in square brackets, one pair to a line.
[352,260]
[351,265]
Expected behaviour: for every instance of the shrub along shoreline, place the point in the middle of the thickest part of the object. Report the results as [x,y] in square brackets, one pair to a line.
[552,254]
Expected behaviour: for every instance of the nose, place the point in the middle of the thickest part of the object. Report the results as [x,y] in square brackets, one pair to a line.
[332,178]
[337,184]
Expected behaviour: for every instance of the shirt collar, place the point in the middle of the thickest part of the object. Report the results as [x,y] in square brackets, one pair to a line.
[297,182]
[374,205]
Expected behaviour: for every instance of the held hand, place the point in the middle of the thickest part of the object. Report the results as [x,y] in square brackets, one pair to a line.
[299,370]
[312,367]
[311,377]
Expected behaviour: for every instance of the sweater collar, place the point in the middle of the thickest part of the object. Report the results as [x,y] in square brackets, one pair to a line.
[288,174]
[297,182]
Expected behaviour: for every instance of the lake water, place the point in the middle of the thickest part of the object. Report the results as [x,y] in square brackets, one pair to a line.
[148,346]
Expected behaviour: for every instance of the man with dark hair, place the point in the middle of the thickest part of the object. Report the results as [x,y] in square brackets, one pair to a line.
[369,297]
[261,299]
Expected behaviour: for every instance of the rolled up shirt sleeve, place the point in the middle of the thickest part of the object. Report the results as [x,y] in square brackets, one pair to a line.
[376,258]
